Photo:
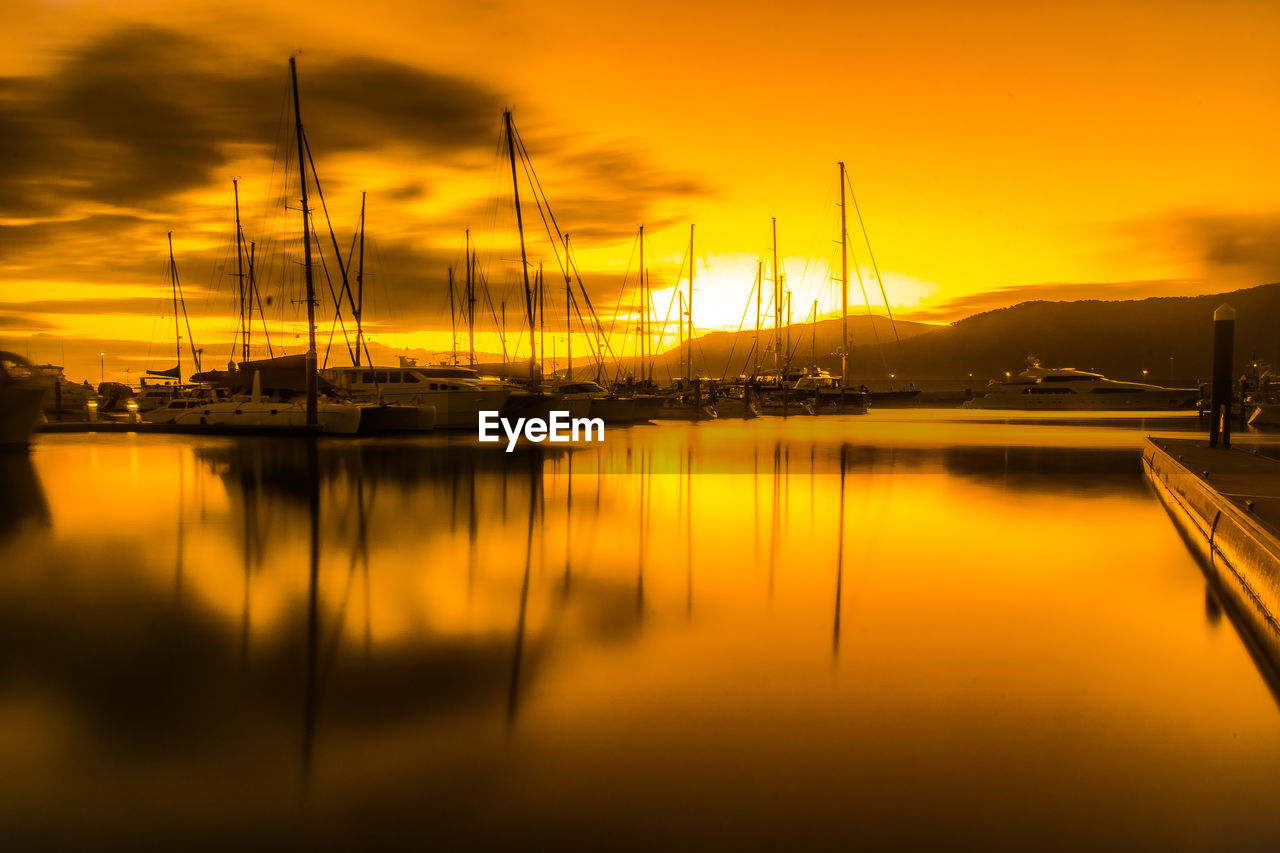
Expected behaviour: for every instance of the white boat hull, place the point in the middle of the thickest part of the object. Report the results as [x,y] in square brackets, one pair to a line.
[334,418]
[454,409]
[1141,402]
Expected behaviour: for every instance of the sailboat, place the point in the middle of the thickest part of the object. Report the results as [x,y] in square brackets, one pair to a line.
[892,396]
[688,403]
[839,398]
[282,392]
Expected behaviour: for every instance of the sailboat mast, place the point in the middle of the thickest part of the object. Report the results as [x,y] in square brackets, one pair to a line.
[683,373]
[643,303]
[759,310]
[471,304]
[245,315]
[177,329]
[524,258]
[789,324]
[542,322]
[453,322]
[360,287]
[312,414]
[844,288]
[568,314]
[777,302]
[503,335]
[813,336]
[692,267]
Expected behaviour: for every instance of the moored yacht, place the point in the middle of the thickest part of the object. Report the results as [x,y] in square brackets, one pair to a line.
[1068,389]
[612,408]
[458,394]
[21,396]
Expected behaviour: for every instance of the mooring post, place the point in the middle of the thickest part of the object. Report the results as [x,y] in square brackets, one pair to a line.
[1224,334]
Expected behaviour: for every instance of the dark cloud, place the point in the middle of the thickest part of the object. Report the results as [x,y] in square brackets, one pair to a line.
[24,323]
[1247,246]
[143,113]
[95,153]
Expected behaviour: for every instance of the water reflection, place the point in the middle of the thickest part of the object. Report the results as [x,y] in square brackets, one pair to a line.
[418,634]
[22,502]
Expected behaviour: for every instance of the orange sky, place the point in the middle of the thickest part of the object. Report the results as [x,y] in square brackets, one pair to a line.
[1000,151]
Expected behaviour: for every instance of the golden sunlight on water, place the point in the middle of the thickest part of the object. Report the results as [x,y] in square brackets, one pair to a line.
[897,629]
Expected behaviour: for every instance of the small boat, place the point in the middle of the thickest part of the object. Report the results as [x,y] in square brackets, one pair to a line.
[1066,389]
[21,398]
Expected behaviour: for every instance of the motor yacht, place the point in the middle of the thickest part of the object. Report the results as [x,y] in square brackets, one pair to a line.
[21,398]
[1065,388]
[458,394]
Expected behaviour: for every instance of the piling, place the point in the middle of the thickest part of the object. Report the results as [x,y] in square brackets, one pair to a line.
[1224,334]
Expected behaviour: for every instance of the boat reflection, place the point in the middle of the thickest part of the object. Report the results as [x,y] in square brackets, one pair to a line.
[320,634]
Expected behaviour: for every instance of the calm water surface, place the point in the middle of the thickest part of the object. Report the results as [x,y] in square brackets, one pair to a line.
[910,629]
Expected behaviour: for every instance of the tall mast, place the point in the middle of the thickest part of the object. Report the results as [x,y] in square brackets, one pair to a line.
[759,311]
[360,287]
[542,321]
[524,258]
[643,303]
[177,329]
[683,372]
[789,329]
[453,322]
[648,288]
[692,267]
[471,304]
[777,301]
[568,314]
[813,336]
[245,315]
[844,289]
[503,334]
[312,416]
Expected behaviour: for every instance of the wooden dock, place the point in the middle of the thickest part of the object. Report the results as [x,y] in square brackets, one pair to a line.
[1226,502]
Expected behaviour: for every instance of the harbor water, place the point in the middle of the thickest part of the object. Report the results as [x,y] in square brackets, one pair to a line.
[915,628]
